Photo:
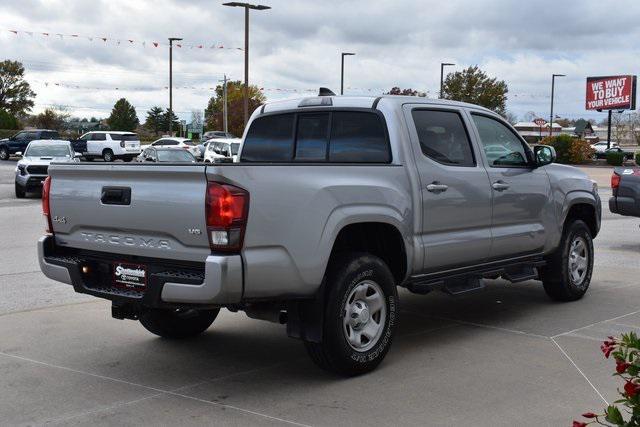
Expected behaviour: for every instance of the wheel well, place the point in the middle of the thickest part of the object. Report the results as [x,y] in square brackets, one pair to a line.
[586,213]
[377,238]
[107,149]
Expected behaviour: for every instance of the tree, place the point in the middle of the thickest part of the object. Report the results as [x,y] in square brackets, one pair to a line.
[8,120]
[154,121]
[51,118]
[474,86]
[123,116]
[165,121]
[16,95]
[406,92]
[511,117]
[235,114]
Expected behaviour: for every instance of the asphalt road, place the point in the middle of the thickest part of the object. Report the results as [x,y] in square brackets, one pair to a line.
[506,356]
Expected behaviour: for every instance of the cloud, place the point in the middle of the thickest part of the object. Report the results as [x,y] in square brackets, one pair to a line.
[297,44]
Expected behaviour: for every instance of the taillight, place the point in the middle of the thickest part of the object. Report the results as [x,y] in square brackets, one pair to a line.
[46,210]
[615,181]
[227,208]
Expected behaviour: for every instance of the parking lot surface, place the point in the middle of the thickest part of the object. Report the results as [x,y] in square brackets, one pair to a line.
[502,357]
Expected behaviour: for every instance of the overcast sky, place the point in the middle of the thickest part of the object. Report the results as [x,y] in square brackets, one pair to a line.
[296,46]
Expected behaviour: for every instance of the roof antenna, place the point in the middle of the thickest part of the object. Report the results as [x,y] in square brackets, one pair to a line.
[326,92]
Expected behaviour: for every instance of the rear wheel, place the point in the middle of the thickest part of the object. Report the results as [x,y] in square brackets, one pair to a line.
[360,315]
[567,275]
[178,323]
[20,191]
[127,159]
[4,153]
[107,155]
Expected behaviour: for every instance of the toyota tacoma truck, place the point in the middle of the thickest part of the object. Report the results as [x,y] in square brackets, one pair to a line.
[334,203]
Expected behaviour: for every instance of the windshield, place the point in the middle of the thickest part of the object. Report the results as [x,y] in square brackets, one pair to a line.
[52,150]
[188,142]
[235,147]
[174,156]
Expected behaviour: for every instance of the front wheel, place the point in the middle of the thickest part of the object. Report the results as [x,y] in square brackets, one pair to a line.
[360,315]
[4,153]
[177,324]
[567,275]
[20,191]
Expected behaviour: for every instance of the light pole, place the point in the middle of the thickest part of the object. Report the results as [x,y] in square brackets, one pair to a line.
[224,103]
[246,6]
[442,65]
[553,85]
[171,40]
[342,71]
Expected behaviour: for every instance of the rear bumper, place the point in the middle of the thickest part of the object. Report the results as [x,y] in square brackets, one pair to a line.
[624,206]
[216,282]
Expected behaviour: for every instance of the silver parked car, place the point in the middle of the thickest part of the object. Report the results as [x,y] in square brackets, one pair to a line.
[33,168]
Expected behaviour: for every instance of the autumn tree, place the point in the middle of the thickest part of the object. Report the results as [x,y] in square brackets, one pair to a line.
[235,105]
[406,92]
[51,118]
[474,86]
[16,96]
[123,116]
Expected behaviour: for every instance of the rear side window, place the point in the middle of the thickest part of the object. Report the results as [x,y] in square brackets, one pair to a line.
[49,135]
[358,137]
[125,137]
[443,137]
[269,139]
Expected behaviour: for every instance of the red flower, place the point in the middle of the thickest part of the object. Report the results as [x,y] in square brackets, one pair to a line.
[579,424]
[631,389]
[621,366]
[606,349]
[589,415]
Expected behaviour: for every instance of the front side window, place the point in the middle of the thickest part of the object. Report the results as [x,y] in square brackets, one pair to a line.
[443,137]
[501,146]
[269,139]
[98,137]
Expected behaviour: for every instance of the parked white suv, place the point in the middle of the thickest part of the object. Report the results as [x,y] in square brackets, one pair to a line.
[111,145]
[601,146]
[174,142]
[221,149]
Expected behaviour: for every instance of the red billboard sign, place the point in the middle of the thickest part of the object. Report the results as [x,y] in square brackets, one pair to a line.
[540,122]
[611,93]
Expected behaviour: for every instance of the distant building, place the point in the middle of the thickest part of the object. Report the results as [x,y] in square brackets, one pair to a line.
[533,133]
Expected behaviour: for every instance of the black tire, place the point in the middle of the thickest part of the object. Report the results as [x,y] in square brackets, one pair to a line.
[559,283]
[127,159]
[345,274]
[107,156]
[177,324]
[20,192]
[4,153]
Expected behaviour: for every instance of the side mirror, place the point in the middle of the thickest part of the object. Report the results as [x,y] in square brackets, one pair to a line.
[18,153]
[544,154]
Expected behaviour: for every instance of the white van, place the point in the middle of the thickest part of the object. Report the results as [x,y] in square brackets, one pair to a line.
[111,145]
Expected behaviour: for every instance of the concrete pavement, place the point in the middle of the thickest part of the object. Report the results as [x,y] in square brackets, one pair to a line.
[506,356]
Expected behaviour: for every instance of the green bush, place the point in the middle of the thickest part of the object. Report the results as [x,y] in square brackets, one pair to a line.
[569,150]
[6,133]
[638,158]
[614,158]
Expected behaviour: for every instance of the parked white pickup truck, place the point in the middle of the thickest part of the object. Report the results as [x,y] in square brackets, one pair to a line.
[335,202]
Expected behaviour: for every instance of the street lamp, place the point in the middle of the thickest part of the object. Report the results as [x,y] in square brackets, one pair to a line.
[171,40]
[342,71]
[442,65]
[553,84]
[246,6]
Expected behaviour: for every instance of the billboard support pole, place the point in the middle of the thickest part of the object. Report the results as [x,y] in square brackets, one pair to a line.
[609,131]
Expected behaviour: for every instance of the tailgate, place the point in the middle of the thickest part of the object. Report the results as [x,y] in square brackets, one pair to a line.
[153,210]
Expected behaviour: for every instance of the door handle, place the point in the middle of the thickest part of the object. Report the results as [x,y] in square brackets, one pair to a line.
[116,196]
[435,187]
[500,185]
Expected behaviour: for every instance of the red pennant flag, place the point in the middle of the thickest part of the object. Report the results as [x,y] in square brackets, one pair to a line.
[200,46]
[45,34]
[179,45]
[155,44]
[104,39]
[74,35]
[130,41]
[14,32]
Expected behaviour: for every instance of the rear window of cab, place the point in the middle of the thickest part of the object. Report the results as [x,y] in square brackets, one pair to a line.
[317,137]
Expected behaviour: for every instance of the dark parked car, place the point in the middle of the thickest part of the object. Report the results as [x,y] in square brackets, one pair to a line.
[170,155]
[625,184]
[628,155]
[18,142]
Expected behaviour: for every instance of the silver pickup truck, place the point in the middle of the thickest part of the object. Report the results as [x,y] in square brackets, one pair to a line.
[334,203]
